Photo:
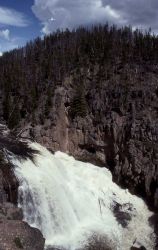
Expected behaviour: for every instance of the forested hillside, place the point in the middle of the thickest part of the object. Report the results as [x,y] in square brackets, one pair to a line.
[33,72]
[92,92]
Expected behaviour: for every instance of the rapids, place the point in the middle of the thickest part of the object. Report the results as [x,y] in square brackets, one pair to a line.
[71,201]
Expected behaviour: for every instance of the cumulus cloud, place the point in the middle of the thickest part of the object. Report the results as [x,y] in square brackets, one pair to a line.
[69,13]
[12,17]
[5,34]
[142,14]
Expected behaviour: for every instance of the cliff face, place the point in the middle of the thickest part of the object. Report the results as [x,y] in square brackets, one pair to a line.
[119,131]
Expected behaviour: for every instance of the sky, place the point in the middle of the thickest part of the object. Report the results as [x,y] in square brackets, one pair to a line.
[24,20]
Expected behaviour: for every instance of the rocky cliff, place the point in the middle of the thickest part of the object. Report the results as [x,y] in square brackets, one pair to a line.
[119,129]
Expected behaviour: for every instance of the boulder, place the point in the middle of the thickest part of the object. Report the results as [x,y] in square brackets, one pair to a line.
[15,235]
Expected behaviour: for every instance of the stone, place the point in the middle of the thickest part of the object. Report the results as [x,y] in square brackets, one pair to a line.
[17,234]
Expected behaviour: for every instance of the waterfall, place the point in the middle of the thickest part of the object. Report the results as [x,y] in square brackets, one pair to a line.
[71,201]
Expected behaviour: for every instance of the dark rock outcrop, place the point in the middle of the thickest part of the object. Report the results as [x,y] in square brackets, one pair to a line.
[19,235]
[8,184]
[138,248]
[8,211]
[16,234]
[122,213]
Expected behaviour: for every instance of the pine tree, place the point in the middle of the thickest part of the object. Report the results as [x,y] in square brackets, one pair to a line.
[48,103]
[78,104]
[14,118]
[6,107]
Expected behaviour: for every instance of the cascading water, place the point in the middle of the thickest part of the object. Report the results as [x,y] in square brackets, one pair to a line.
[70,200]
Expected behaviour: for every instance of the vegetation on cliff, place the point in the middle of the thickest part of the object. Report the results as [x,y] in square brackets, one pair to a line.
[33,72]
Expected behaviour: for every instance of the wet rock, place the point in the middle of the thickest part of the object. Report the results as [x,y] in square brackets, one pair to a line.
[9,183]
[10,212]
[122,213]
[138,248]
[17,235]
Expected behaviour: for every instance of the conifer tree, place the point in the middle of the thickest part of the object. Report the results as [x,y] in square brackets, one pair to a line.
[79,105]
[14,118]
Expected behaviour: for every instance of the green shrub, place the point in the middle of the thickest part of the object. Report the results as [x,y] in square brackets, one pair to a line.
[18,243]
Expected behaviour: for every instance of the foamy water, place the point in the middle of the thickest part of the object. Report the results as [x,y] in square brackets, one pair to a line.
[69,201]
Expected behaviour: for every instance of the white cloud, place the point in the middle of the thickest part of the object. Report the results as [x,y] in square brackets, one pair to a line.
[137,13]
[70,13]
[1,54]
[12,17]
[5,34]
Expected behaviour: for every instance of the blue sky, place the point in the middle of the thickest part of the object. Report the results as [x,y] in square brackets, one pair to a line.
[22,27]
[23,20]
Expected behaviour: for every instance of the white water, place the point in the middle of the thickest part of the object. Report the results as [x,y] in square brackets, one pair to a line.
[70,200]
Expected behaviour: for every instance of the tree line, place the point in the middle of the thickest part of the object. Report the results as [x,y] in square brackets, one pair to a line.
[42,65]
